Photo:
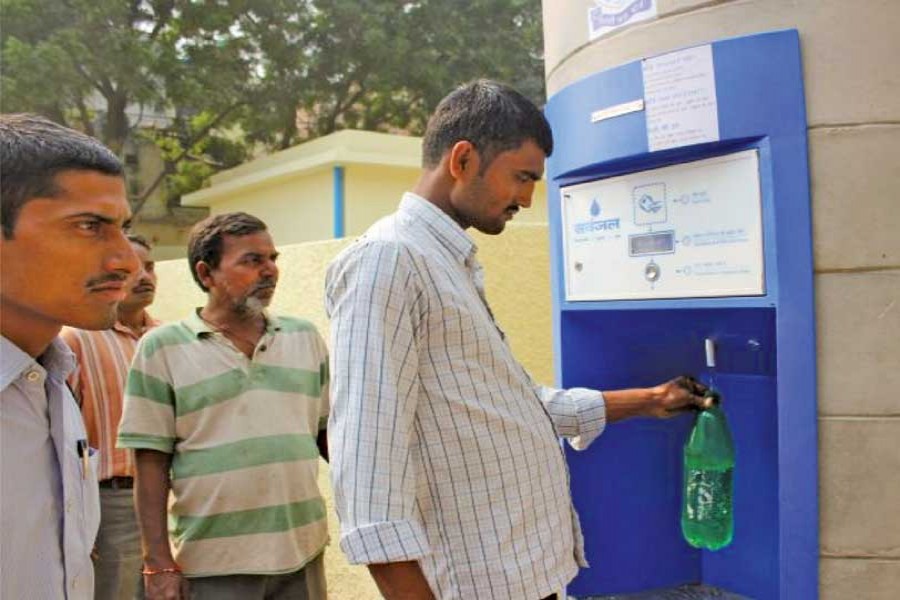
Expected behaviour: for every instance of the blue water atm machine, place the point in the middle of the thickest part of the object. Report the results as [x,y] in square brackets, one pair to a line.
[680,213]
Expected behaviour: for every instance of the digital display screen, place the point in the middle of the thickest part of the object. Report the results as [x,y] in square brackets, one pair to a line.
[643,244]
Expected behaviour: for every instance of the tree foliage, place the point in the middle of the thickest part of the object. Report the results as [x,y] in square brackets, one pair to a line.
[235,77]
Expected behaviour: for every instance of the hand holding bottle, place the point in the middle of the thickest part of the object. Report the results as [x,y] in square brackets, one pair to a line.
[678,395]
[662,401]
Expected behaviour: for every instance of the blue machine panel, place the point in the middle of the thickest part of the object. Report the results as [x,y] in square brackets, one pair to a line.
[627,486]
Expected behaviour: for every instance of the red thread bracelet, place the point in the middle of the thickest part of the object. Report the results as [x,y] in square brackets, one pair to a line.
[146,571]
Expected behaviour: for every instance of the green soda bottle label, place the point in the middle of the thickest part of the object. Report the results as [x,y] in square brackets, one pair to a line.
[707,516]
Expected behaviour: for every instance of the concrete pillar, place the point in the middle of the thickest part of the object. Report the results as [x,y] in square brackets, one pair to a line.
[852,79]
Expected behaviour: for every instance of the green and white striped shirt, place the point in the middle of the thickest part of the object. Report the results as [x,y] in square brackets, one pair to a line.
[242,433]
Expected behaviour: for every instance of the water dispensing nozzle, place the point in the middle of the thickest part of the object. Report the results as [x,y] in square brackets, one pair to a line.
[710,347]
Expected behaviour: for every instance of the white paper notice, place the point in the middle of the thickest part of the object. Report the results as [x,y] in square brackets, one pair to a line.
[680,98]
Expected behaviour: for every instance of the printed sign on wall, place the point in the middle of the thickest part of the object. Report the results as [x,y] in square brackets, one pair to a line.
[680,98]
[609,15]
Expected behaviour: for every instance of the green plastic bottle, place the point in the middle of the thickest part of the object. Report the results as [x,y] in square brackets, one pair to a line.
[707,518]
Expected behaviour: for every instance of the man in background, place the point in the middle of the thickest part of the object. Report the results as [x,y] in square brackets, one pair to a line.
[64,260]
[227,410]
[103,358]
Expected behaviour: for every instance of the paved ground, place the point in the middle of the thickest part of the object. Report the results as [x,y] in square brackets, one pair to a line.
[687,592]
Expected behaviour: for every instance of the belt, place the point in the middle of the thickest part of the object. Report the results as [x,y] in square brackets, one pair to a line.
[118,483]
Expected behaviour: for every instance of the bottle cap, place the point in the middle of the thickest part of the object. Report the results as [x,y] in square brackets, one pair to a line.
[715,395]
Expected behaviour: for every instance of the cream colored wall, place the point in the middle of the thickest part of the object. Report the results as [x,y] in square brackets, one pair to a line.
[853,110]
[538,211]
[517,284]
[297,209]
[372,192]
[517,271]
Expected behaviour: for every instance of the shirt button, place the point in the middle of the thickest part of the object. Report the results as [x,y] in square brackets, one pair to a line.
[75,582]
[68,506]
[33,376]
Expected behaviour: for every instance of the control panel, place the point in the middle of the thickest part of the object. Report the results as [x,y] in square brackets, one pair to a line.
[683,231]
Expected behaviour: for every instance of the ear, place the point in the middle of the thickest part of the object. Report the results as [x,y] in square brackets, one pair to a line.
[204,273]
[463,160]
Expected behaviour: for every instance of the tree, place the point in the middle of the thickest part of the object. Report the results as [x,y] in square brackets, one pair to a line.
[376,64]
[103,65]
[233,77]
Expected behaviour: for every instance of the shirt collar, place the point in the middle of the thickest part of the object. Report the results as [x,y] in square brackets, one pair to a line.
[440,225]
[199,327]
[58,361]
[149,323]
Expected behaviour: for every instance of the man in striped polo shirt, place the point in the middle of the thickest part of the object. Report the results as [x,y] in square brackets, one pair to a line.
[98,382]
[226,410]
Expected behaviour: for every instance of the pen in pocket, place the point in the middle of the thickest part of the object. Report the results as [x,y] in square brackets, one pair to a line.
[84,454]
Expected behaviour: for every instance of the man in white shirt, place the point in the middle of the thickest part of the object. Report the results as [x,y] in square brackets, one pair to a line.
[449,479]
[64,260]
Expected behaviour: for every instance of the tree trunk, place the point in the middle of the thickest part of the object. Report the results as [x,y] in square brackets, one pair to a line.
[115,130]
[138,203]
[289,131]
[85,115]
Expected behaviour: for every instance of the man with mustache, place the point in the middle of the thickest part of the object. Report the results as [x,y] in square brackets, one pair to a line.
[449,479]
[64,260]
[103,358]
[227,410]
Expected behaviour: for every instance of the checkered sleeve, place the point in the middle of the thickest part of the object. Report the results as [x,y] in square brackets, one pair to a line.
[578,414]
[371,300]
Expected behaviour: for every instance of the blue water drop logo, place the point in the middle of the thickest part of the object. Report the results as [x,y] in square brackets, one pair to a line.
[595,208]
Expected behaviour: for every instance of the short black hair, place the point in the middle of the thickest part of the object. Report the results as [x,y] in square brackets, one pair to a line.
[136,238]
[492,116]
[33,151]
[206,238]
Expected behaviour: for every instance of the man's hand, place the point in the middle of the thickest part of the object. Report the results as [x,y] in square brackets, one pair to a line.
[662,401]
[166,586]
[401,581]
[679,395]
[162,581]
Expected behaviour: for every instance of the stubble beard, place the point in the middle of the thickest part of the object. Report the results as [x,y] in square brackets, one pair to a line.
[251,306]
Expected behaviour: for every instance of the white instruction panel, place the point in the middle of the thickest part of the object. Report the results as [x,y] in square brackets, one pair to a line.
[684,231]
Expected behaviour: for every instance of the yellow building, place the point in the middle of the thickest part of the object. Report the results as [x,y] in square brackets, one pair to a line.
[331,187]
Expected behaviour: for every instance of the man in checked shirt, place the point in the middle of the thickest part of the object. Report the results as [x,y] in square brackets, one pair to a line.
[449,480]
